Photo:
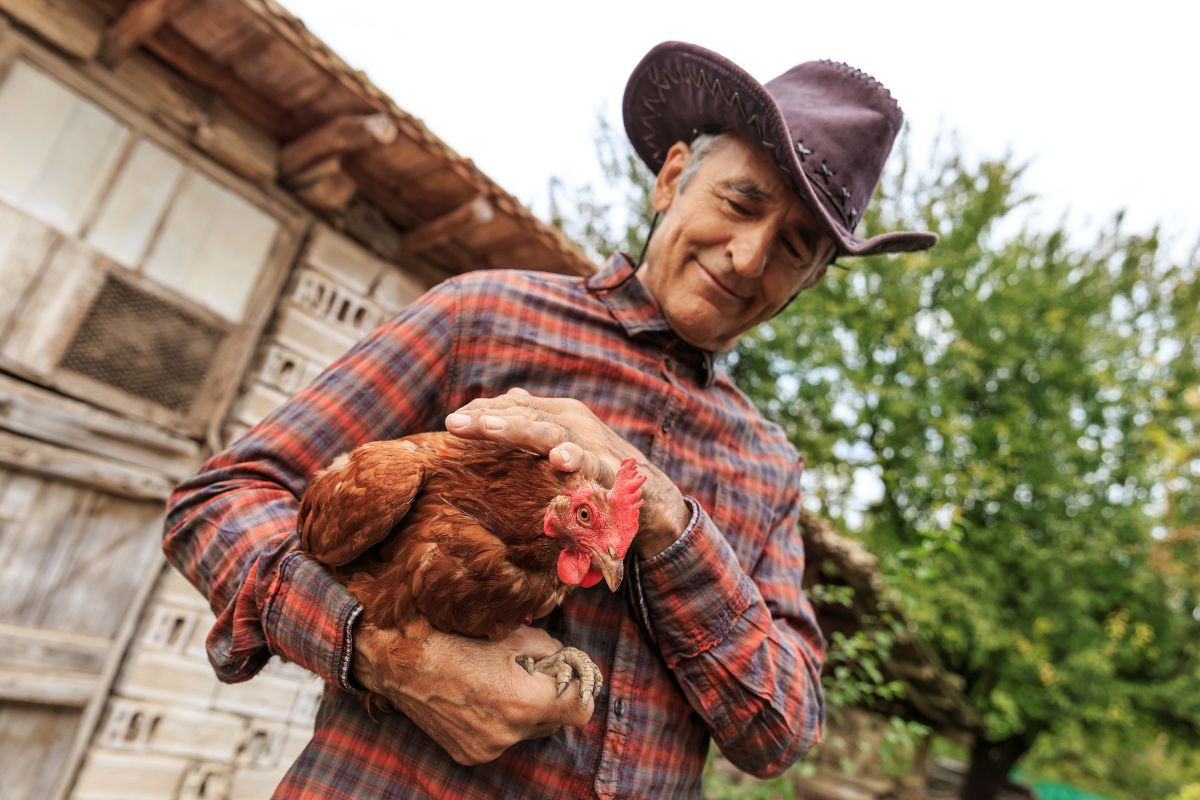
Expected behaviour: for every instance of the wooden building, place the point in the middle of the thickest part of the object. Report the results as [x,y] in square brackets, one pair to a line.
[200,207]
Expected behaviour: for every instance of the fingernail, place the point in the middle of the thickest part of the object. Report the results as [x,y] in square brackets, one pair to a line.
[564,456]
[494,423]
[458,420]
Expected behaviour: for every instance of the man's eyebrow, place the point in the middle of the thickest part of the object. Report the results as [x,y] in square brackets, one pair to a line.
[748,189]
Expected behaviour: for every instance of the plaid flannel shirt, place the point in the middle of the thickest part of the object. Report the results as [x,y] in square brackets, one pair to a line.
[714,637]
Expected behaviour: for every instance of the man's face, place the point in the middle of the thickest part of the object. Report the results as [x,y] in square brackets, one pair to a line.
[732,247]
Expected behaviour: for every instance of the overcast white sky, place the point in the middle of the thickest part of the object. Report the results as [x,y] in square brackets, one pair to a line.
[1102,96]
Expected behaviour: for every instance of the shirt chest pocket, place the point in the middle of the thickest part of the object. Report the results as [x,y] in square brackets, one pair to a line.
[744,519]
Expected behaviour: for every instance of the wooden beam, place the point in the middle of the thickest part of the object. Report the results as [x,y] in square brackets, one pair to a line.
[445,227]
[140,20]
[39,650]
[41,414]
[125,480]
[325,185]
[73,26]
[68,689]
[337,137]
[238,144]
[201,68]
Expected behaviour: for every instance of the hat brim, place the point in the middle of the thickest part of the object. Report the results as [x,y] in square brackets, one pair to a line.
[679,91]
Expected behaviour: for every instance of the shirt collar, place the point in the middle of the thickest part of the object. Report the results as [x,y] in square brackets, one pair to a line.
[632,305]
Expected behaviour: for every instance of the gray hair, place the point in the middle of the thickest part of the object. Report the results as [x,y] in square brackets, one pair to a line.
[701,146]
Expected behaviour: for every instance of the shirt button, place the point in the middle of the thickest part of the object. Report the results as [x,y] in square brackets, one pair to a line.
[666,426]
[619,707]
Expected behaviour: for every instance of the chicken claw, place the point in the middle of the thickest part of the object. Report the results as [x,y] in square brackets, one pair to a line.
[568,663]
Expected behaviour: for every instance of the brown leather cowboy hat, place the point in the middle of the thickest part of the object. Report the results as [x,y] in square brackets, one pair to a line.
[828,127]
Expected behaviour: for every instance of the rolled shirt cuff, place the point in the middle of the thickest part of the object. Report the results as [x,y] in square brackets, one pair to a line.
[308,620]
[693,592]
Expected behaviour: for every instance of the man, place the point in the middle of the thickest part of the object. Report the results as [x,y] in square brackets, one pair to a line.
[758,189]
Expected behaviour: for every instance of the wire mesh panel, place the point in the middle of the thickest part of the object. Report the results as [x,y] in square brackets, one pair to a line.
[136,342]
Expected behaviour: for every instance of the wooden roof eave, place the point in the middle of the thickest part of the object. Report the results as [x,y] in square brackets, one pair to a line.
[249,52]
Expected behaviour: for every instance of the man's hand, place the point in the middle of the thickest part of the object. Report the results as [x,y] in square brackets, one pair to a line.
[573,438]
[470,695]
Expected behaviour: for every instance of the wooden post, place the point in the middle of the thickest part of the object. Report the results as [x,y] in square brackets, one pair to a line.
[445,227]
[337,137]
[136,24]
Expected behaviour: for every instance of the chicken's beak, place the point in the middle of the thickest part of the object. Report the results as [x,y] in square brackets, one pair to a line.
[611,567]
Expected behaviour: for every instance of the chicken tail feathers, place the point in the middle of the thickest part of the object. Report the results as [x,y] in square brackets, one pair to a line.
[354,503]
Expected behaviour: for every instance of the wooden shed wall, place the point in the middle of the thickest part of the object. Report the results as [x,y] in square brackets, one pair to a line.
[105,690]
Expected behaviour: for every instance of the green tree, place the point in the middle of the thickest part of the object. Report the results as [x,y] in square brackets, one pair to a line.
[1028,408]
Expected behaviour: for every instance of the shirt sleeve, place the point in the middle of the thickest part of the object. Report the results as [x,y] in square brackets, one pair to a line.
[745,648]
[231,529]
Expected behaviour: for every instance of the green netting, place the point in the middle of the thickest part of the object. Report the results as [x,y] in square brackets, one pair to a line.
[1048,790]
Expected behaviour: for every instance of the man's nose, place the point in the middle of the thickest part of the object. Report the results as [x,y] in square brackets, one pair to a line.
[748,250]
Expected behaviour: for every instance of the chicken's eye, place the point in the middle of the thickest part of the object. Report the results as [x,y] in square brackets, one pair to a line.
[584,515]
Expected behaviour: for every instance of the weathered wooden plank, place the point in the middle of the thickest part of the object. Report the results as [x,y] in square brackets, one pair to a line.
[365,223]
[399,162]
[39,650]
[103,689]
[344,260]
[219,28]
[325,185]
[36,739]
[73,559]
[143,81]
[136,24]
[133,776]
[342,135]
[65,288]
[69,689]
[168,45]
[124,480]
[281,71]
[25,244]
[71,25]
[228,137]
[447,226]
[33,411]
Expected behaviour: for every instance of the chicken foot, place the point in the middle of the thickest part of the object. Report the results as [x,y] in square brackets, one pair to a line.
[563,666]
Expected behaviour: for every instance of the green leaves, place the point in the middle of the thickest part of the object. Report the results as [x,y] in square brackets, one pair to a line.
[1027,404]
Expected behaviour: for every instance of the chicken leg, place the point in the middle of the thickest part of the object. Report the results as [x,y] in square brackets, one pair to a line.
[563,666]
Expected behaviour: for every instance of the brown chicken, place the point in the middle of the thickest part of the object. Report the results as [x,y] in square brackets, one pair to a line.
[469,537]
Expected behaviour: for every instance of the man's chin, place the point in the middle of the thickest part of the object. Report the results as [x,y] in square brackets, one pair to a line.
[699,332]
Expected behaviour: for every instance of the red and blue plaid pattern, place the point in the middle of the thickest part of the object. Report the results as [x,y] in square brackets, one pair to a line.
[714,637]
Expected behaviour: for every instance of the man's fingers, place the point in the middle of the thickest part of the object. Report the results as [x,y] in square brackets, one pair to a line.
[570,457]
[522,428]
[516,396]
[571,711]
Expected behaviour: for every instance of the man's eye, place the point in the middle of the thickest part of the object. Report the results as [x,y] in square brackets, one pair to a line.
[738,208]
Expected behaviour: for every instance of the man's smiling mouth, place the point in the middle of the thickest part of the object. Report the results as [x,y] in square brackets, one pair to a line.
[718,284]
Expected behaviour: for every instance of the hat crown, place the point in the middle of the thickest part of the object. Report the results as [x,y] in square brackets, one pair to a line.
[843,124]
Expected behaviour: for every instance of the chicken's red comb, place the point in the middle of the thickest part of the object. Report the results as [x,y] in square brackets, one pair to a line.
[625,498]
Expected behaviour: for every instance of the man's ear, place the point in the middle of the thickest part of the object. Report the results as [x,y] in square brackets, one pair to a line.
[666,185]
